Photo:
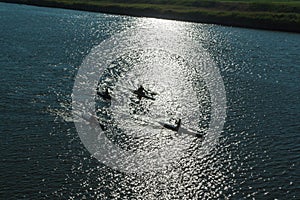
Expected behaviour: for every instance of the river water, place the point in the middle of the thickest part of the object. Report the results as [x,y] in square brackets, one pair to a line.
[237,87]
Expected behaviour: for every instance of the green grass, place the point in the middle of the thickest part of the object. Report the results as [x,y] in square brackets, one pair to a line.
[266,14]
[285,6]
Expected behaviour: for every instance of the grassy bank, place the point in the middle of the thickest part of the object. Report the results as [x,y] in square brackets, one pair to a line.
[279,15]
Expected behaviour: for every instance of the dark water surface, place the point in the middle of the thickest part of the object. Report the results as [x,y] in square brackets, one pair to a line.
[258,152]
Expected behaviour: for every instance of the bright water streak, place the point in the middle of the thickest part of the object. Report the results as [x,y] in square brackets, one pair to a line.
[42,155]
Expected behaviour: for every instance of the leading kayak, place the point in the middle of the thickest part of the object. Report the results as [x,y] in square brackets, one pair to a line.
[140,96]
[142,93]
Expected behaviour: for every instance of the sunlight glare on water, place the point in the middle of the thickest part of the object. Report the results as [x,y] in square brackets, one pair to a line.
[161,59]
[43,155]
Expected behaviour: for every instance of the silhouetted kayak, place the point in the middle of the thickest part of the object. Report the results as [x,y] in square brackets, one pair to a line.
[181,130]
[143,95]
[104,95]
[171,127]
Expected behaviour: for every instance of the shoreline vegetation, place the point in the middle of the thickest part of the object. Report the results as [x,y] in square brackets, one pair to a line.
[278,15]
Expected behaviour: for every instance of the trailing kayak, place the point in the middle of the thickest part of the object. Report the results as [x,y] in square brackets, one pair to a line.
[104,95]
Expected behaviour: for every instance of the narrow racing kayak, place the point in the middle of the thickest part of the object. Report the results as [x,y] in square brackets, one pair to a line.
[143,96]
[181,130]
[104,95]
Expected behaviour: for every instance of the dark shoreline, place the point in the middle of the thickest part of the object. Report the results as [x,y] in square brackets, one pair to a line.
[198,17]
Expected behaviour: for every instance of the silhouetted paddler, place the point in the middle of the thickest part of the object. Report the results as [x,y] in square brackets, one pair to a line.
[174,128]
[105,95]
[141,92]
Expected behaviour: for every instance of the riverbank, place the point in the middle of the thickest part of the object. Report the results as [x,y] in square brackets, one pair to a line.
[279,16]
